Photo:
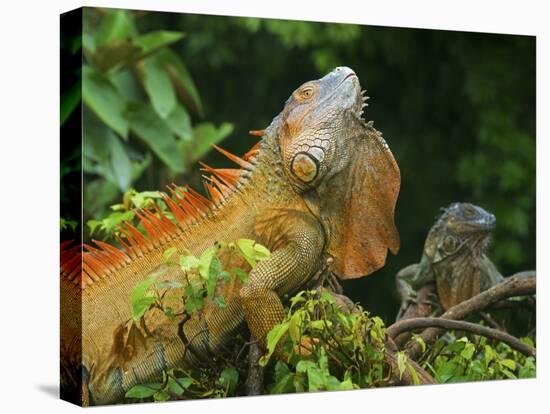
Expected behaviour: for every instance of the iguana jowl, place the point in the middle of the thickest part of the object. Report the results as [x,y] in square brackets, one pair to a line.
[321,183]
[453,257]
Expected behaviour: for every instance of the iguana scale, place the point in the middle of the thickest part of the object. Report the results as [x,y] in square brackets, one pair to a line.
[321,183]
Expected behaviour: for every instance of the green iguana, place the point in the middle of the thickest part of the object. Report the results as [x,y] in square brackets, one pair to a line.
[453,257]
[320,184]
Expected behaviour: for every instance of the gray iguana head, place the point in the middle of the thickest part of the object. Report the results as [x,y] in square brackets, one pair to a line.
[462,228]
[454,249]
[343,169]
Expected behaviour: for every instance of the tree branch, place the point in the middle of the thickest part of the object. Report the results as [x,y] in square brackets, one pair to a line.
[512,286]
[255,378]
[449,324]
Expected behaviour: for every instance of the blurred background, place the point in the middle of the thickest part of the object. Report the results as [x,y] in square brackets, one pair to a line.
[457,109]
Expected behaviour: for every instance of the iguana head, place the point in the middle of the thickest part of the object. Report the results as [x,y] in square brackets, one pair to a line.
[463,228]
[454,248]
[344,170]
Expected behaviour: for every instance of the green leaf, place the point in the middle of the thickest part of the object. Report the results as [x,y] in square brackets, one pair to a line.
[180,123]
[273,338]
[447,371]
[229,378]
[121,165]
[185,87]
[315,379]
[100,95]
[246,248]
[205,260]
[413,373]
[178,387]
[152,130]
[64,224]
[261,252]
[112,55]
[468,351]
[70,101]
[284,385]
[193,297]
[303,365]
[158,86]
[508,363]
[93,225]
[117,25]
[420,342]
[206,134]
[156,39]
[143,391]
[295,326]
[241,274]
[320,325]
[328,297]
[161,396]
[167,255]
[188,262]
[140,298]
[281,370]
[402,361]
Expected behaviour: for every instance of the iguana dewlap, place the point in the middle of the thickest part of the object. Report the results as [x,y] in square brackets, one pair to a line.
[321,182]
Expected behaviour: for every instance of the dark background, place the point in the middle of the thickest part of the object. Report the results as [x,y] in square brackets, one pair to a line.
[457,109]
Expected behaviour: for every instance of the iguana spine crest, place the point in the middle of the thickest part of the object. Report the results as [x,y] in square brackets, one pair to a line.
[87,264]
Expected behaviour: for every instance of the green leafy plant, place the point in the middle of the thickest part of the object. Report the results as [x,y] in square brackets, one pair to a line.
[327,347]
[453,359]
[201,277]
[137,95]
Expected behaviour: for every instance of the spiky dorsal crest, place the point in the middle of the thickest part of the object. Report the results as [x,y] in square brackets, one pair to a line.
[87,264]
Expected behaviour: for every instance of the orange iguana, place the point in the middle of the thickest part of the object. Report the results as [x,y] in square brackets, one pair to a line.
[321,183]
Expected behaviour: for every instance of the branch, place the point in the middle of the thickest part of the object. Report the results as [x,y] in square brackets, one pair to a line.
[510,287]
[255,378]
[448,324]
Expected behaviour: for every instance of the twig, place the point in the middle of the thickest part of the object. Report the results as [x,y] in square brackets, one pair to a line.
[255,378]
[510,287]
[449,324]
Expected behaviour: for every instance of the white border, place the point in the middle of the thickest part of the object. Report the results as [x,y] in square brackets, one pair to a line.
[29,205]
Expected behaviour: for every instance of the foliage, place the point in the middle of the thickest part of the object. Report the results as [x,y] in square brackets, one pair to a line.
[326,347]
[323,344]
[453,359]
[203,276]
[137,95]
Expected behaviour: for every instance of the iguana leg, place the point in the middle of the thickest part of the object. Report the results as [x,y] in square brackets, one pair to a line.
[284,272]
[406,293]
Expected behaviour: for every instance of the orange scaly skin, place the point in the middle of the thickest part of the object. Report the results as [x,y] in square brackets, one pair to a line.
[321,183]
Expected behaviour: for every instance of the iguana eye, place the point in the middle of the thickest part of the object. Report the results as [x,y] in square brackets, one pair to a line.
[307,92]
[450,244]
[469,211]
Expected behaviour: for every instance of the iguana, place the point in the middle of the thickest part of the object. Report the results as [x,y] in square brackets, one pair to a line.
[321,186]
[454,258]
